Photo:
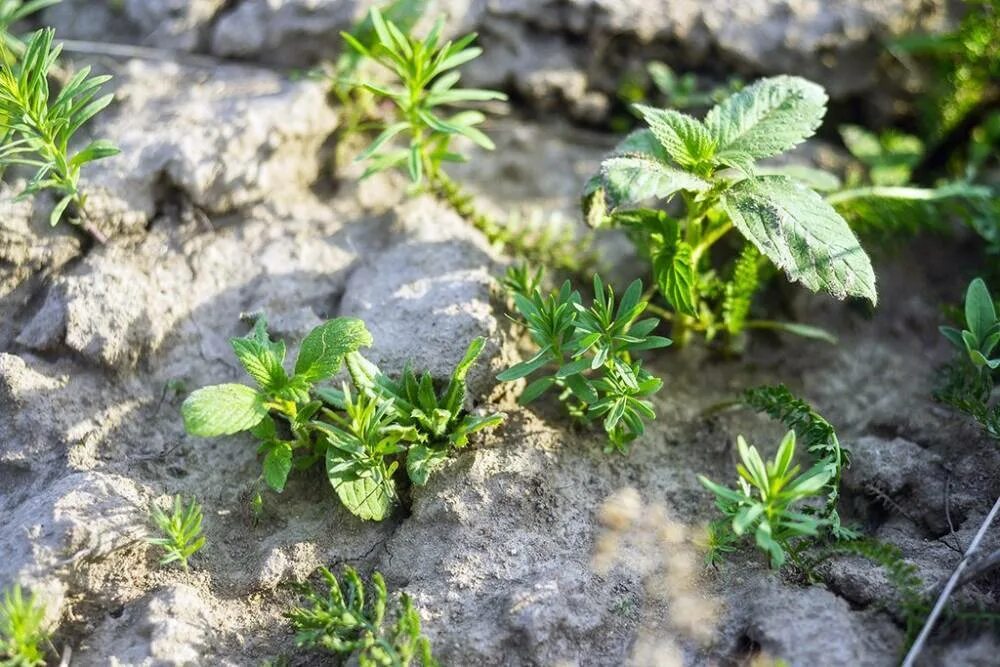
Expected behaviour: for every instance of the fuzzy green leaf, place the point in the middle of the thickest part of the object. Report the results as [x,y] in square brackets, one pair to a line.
[802,234]
[631,180]
[370,497]
[767,118]
[421,461]
[685,139]
[674,271]
[222,409]
[324,348]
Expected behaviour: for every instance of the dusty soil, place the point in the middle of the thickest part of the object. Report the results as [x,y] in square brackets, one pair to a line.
[222,204]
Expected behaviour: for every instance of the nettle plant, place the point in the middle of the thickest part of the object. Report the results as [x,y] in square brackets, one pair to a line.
[970,378]
[346,621]
[705,175]
[764,502]
[360,434]
[587,353]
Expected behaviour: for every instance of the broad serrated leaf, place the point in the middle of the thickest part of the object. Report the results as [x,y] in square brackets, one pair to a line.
[802,234]
[262,360]
[324,348]
[685,139]
[631,180]
[222,409]
[766,118]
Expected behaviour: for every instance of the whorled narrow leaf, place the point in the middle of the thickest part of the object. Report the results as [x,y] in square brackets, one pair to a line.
[802,234]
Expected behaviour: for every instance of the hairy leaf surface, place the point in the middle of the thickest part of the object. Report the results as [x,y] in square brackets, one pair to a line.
[802,234]
[630,180]
[324,348]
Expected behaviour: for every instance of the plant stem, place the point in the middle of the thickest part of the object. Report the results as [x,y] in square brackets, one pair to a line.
[86,224]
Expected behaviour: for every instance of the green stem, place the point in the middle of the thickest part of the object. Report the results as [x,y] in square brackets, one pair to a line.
[710,239]
[889,192]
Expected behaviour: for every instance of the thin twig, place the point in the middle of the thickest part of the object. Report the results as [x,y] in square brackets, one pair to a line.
[918,645]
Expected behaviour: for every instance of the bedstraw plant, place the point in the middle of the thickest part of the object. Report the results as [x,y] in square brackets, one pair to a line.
[39,127]
[706,177]
[431,111]
[764,503]
[180,530]
[587,353]
[346,621]
[12,11]
[361,432]
[22,633]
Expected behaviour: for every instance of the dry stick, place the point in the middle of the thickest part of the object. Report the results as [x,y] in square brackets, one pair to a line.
[914,651]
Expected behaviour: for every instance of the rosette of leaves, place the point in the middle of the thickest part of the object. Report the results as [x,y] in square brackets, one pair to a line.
[764,502]
[586,353]
[361,436]
[435,418]
[38,130]
[707,171]
[347,621]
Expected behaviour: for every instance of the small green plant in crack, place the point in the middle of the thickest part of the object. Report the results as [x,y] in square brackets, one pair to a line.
[586,354]
[39,129]
[764,502]
[346,621]
[970,378]
[710,168]
[180,529]
[426,77]
[22,631]
[361,432]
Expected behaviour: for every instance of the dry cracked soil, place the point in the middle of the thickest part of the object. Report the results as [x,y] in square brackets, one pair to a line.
[223,204]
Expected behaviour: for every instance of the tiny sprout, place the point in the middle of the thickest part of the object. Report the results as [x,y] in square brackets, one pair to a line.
[181,530]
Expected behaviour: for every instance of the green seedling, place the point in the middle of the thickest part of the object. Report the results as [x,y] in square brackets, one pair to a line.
[709,168]
[979,340]
[180,530]
[418,136]
[345,621]
[426,72]
[586,354]
[38,129]
[970,380]
[764,502]
[360,435]
[818,437]
[21,629]
[717,542]
[12,11]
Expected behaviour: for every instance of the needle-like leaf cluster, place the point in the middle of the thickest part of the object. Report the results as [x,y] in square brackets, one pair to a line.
[22,632]
[180,531]
[587,353]
[344,620]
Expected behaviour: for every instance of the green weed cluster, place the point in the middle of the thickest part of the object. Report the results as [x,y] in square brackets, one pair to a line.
[360,432]
[587,354]
[38,129]
[180,531]
[345,621]
[22,633]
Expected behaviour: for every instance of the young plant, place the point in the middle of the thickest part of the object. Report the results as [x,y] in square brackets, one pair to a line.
[763,504]
[820,440]
[970,379]
[38,129]
[587,353]
[426,76]
[21,629]
[710,168]
[12,11]
[181,530]
[361,436]
[344,621]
